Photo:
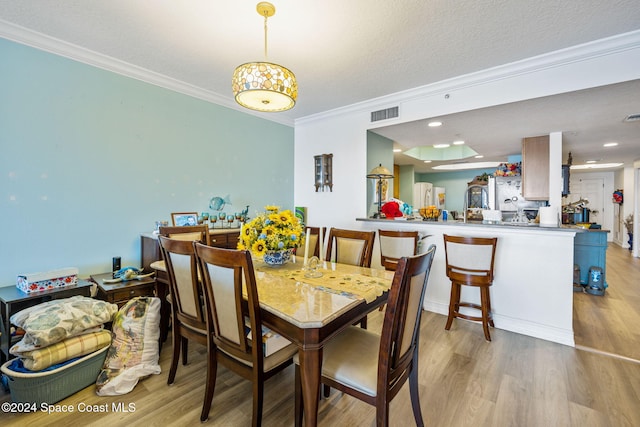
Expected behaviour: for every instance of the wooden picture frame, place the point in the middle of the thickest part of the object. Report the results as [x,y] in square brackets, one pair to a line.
[184,218]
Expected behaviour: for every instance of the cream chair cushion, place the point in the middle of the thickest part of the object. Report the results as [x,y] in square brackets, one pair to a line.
[349,251]
[351,358]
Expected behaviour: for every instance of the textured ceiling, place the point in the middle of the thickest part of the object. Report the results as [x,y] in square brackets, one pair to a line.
[342,51]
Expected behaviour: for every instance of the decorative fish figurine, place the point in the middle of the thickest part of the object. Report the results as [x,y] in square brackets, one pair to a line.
[126,274]
[217,203]
[127,271]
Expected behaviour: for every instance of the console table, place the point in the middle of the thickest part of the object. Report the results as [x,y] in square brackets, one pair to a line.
[13,300]
[150,248]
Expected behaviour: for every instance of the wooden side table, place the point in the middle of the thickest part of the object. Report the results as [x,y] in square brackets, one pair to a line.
[120,293]
[13,300]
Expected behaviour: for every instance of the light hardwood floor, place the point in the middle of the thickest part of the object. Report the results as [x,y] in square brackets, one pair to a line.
[513,381]
[611,323]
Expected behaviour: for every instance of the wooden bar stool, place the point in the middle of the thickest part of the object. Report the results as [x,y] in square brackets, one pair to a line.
[395,245]
[470,263]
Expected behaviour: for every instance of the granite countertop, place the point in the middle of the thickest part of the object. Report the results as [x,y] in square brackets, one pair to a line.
[510,225]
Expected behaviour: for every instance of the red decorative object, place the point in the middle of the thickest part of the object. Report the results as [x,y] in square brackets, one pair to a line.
[391,210]
[618,196]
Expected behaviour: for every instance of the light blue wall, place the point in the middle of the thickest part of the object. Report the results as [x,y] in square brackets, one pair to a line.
[407,179]
[454,183]
[90,159]
[379,152]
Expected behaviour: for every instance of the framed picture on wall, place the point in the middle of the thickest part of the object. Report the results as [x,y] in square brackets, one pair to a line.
[184,218]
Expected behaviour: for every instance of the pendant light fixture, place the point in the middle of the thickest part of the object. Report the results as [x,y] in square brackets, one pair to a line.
[264,86]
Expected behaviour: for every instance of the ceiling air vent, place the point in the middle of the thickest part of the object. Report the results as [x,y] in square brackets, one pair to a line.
[389,113]
[632,118]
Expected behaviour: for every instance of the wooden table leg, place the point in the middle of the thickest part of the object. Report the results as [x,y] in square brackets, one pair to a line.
[310,365]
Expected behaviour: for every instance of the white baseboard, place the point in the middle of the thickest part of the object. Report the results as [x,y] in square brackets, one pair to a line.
[519,326]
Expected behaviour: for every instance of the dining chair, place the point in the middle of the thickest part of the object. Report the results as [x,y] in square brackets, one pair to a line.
[354,247]
[187,232]
[396,244]
[373,367]
[188,314]
[469,262]
[314,239]
[190,233]
[224,272]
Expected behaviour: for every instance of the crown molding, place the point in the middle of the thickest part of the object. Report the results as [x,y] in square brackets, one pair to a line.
[578,53]
[77,53]
[558,58]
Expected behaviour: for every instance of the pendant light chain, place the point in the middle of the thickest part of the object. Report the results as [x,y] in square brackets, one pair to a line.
[265,36]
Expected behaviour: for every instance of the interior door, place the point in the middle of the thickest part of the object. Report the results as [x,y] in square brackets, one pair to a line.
[591,189]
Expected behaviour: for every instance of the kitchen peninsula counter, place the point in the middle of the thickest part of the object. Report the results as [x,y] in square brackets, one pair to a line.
[502,225]
[532,293]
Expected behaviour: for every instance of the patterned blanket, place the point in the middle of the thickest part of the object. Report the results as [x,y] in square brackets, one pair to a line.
[80,345]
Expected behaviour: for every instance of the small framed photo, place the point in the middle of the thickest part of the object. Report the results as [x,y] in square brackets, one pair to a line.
[184,218]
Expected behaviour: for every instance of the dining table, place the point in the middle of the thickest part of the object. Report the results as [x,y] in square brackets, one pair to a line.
[309,307]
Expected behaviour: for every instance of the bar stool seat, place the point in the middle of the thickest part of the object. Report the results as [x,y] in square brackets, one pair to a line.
[469,262]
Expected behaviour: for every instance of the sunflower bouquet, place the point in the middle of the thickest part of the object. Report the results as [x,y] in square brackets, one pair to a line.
[273,230]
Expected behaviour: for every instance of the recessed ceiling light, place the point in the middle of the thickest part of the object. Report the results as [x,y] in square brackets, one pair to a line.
[597,166]
[610,144]
[458,142]
[397,150]
[440,145]
[479,156]
[434,124]
[591,161]
[472,165]
[427,161]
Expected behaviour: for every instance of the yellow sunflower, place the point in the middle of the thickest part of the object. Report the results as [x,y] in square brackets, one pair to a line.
[269,230]
[274,218]
[286,217]
[259,247]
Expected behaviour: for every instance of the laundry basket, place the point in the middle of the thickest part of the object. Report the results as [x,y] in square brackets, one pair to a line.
[53,386]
